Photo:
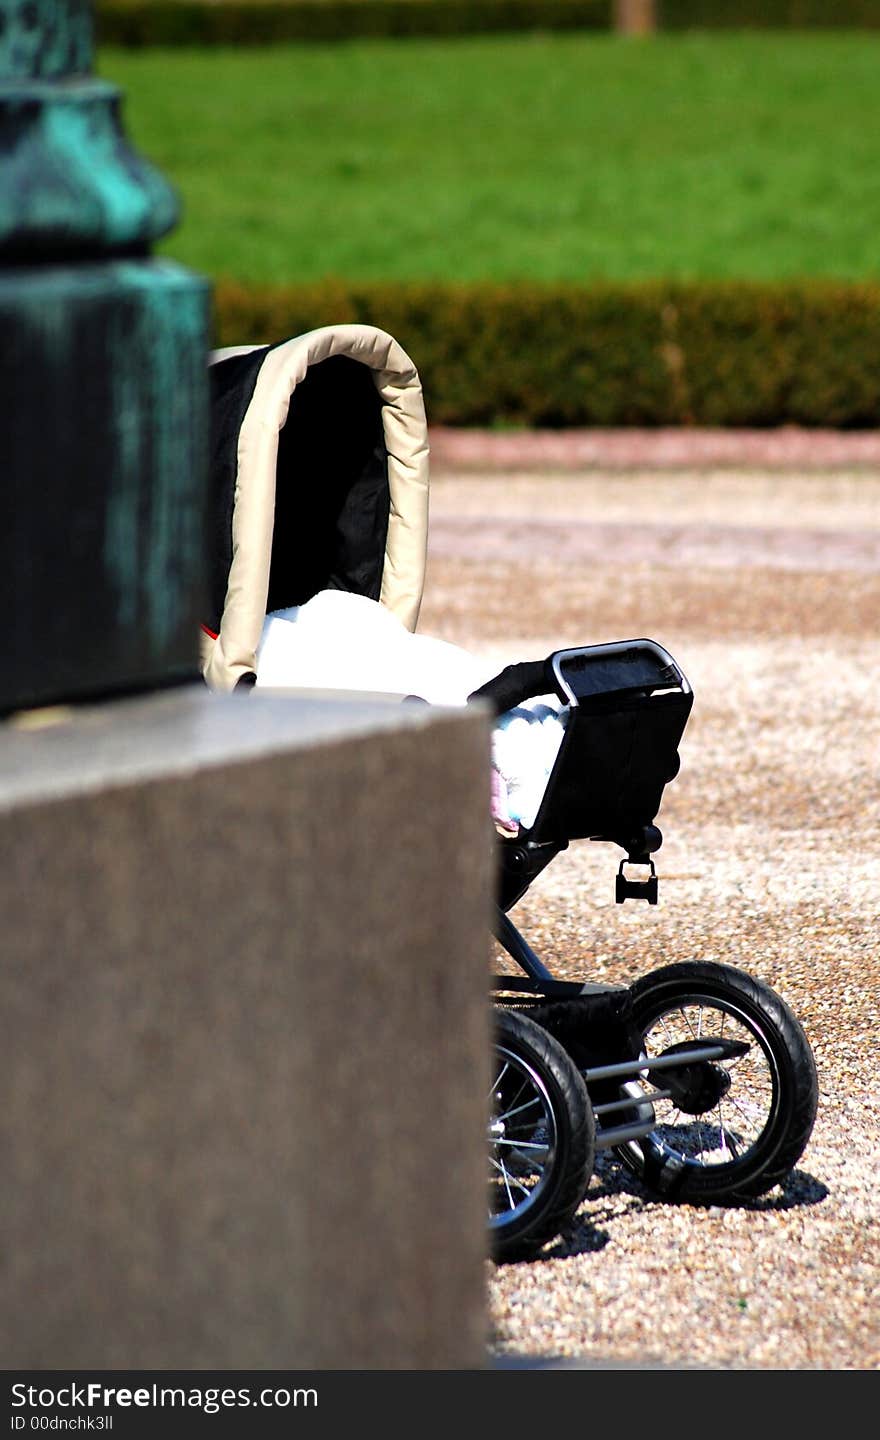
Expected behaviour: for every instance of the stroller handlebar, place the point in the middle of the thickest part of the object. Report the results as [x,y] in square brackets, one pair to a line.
[520,682]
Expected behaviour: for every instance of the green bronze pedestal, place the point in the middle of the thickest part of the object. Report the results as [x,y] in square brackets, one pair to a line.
[103,386]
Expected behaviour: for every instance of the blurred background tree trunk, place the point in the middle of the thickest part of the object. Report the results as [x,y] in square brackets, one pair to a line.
[635,17]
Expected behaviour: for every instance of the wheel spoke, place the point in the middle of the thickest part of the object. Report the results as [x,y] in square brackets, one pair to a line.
[728,1138]
[540,1138]
[522,1148]
[722,1135]
[754,1108]
[696,1141]
[519,1109]
[750,1120]
[523,1144]
[508,1179]
[493,1088]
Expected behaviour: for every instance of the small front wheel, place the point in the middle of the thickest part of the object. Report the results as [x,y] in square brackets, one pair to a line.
[541,1138]
[732,1128]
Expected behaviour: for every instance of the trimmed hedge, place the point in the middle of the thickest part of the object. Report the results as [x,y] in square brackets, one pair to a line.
[652,353]
[263,22]
[768,14]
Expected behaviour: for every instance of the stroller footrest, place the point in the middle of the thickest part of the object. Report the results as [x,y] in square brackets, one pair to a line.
[632,889]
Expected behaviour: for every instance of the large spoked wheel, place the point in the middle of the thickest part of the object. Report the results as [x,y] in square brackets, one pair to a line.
[541,1138]
[734,1127]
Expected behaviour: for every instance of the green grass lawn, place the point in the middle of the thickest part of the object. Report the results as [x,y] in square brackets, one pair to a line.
[554,157]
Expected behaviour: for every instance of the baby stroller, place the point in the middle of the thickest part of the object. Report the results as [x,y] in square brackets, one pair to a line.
[698,1076]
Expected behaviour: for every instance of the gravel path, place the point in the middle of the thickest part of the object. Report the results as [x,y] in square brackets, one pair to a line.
[766,588]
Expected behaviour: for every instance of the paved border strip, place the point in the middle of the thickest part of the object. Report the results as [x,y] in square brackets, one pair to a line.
[680,448]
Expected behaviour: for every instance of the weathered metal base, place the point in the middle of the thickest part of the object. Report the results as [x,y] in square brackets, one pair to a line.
[103,390]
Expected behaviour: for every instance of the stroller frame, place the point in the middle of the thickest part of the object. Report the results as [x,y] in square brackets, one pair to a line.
[301,503]
[628,704]
[540,982]
[621,681]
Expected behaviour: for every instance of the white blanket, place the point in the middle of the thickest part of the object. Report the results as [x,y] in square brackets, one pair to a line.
[525,743]
[338,641]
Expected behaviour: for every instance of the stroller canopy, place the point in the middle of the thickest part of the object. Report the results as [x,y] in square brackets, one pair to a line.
[318,481]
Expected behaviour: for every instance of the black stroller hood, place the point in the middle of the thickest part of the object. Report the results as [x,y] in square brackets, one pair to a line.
[319,480]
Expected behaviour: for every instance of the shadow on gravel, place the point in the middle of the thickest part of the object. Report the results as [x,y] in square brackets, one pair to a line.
[613,1180]
[583,1237]
[623,1196]
[615,1193]
[798,1189]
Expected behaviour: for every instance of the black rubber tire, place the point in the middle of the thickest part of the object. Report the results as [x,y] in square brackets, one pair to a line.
[534,1077]
[789,1091]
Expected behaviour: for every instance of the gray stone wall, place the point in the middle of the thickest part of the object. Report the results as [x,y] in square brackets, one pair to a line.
[244,990]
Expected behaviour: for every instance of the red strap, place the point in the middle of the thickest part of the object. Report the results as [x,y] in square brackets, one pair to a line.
[211,633]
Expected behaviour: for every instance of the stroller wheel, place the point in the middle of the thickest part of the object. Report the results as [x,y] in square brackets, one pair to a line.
[541,1138]
[731,1128]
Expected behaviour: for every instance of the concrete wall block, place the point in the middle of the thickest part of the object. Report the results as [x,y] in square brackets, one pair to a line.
[245,988]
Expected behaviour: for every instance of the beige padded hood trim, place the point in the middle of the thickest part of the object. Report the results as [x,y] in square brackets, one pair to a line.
[233,653]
